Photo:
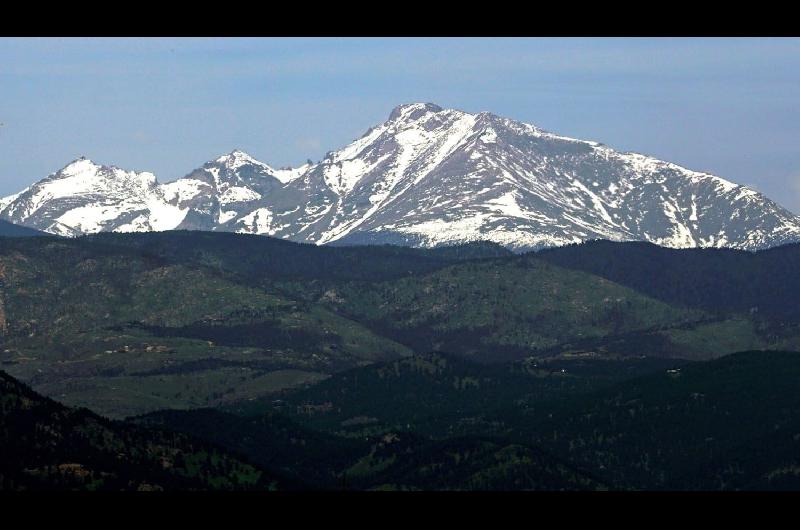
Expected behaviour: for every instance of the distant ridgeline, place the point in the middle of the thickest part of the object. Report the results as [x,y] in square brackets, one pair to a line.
[11,230]
[426,176]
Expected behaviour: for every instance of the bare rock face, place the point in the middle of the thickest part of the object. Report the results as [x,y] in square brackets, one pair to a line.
[427,176]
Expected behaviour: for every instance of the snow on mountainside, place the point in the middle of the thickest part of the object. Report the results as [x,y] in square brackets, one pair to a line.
[84,198]
[427,176]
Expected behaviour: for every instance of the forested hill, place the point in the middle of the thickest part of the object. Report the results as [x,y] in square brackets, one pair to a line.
[129,323]
[257,257]
[46,446]
[765,282]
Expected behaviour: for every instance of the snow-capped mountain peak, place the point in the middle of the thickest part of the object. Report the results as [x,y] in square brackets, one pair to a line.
[238,158]
[413,110]
[426,176]
[86,197]
[79,164]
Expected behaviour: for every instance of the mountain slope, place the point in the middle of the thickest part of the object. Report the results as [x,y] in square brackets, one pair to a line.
[84,197]
[11,230]
[427,177]
[125,331]
[260,259]
[442,395]
[439,422]
[756,283]
[392,450]
[512,308]
[48,446]
[730,423]
[431,176]
[127,323]
[270,440]
[227,193]
[477,299]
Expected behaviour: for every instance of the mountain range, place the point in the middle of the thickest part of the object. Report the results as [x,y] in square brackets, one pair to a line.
[426,177]
[215,360]
[129,323]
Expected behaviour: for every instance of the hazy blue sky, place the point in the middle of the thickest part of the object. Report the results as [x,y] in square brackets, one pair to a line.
[726,106]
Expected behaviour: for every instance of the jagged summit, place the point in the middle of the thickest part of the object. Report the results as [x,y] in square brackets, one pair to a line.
[238,158]
[85,197]
[409,109]
[427,176]
[78,164]
[87,168]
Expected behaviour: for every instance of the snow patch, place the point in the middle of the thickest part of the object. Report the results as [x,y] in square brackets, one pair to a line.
[289,174]
[225,216]
[256,222]
[238,194]
[183,190]
[489,136]
[238,158]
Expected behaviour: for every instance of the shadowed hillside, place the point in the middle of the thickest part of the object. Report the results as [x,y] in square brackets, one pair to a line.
[11,230]
[763,283]
[46,446]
